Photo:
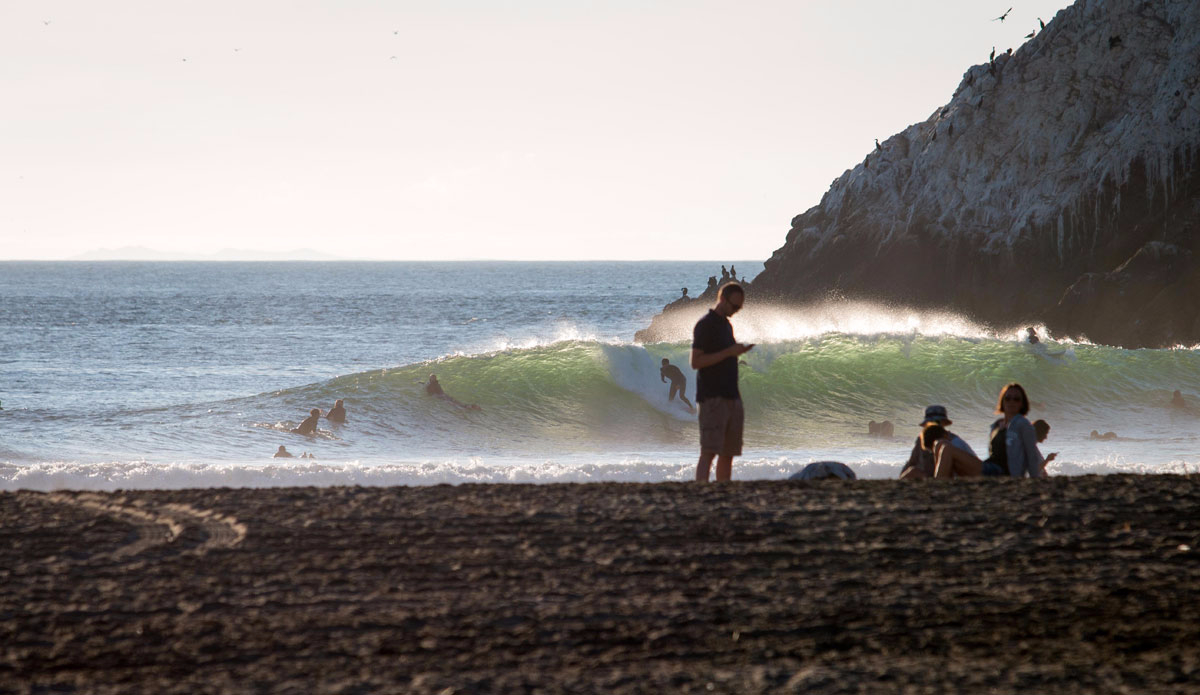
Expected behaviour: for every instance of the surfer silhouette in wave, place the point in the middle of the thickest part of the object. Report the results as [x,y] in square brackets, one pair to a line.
[1179,403]
[434,388]
[1039,349]
[678,383]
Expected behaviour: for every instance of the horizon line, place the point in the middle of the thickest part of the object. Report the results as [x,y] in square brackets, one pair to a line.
[377,260]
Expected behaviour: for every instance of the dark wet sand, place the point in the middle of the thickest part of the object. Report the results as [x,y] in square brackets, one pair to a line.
[1071,585]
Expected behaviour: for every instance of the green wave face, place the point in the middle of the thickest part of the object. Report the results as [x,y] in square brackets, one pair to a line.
[589,396]
[836,383]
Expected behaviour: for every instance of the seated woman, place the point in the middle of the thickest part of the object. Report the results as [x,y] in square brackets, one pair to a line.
[1020,439]
[949,461]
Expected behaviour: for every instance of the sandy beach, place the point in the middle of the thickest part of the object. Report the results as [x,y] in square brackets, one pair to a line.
[1067,585]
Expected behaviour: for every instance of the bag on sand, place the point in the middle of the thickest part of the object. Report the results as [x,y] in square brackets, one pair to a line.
[825,469]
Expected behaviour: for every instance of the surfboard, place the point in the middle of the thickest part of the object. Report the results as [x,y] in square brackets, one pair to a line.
[1064,356]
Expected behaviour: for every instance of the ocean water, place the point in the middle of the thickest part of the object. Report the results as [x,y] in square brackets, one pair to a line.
[167,375]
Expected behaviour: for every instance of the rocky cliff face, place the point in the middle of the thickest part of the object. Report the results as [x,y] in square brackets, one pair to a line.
[1060,184]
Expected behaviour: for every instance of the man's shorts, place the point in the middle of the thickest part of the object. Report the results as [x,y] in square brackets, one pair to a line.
[721,422]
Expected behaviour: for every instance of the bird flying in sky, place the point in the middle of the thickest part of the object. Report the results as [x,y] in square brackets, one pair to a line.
[1003,16]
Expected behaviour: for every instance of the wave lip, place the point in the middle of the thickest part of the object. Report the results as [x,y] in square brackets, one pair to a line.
[770,322]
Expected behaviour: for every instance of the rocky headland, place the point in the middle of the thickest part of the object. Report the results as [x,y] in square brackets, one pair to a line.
[1059,185]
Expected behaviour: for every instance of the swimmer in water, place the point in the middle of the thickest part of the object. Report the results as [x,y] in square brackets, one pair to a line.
[309,426]
[337,413]
[282,453]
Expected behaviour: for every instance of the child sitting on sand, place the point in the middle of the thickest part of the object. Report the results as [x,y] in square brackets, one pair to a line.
[1042,429]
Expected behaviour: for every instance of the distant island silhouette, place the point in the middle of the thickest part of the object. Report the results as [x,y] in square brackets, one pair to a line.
[142,253]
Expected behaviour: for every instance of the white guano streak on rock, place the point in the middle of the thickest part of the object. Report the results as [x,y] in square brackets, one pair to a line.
[1039,133]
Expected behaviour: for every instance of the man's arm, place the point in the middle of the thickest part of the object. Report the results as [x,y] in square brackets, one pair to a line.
[701,359]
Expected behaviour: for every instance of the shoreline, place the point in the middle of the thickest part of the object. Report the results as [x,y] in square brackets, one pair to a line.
[1069,584]
[321,473]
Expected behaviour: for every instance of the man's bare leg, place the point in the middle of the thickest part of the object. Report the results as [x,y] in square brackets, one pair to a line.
[703,466]
[724,469]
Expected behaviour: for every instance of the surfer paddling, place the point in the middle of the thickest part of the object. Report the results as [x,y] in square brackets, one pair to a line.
[309,426]
[714,357]
[337,413]
[434,388]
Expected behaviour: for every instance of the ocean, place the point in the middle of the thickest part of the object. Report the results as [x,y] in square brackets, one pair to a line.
[121,375]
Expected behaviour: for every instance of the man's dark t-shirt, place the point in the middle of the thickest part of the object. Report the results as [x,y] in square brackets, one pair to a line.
[672,372]
[714,333]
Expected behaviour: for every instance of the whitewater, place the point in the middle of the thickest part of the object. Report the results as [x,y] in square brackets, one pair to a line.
[172,375]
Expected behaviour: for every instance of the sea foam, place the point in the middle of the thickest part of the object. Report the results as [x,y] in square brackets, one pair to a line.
[143,475]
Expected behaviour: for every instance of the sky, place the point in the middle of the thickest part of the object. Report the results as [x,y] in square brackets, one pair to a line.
[459,129]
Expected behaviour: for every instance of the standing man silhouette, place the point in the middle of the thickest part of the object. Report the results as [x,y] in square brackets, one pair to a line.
[715,358]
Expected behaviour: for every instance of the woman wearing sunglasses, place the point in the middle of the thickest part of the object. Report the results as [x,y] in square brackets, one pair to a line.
[1020,440]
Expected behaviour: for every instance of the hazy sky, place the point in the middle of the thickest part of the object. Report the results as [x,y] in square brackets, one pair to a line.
[449,129]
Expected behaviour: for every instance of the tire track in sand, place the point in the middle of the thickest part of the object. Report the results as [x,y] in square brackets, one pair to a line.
[157,525]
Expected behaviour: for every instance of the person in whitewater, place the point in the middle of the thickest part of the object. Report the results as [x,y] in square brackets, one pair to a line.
[678,383]
[337,413]
[309,426]
[1037,348]
[434,388]
[1178,402]
[714,357]
[921,462]
[282,453]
